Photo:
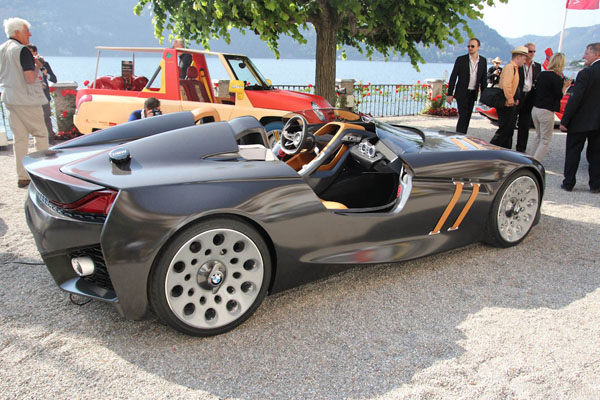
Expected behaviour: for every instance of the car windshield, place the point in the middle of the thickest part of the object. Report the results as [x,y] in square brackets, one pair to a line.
[400,139]
[244,70]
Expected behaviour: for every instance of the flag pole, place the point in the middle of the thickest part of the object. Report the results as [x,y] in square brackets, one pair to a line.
[562,32]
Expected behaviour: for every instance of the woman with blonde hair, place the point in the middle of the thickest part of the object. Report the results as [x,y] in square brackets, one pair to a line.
[549,90]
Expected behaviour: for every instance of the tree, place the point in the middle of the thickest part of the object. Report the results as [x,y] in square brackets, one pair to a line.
[386,26]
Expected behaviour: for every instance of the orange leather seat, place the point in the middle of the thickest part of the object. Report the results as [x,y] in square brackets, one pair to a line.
[333,205]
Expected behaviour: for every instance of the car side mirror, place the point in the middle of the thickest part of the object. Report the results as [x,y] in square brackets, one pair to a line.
[269,82]
[237,87]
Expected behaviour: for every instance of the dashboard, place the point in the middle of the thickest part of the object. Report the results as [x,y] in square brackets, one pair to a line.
[370,151]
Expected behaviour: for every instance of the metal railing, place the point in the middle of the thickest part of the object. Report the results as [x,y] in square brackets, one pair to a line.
[381,100]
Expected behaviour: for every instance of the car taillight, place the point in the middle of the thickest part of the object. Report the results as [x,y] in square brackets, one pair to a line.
[83,99]
[94,203]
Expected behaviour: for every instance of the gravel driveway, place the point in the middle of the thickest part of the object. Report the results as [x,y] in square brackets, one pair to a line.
[477,322]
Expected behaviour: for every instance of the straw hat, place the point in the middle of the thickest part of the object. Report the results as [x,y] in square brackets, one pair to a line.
[497,60]
[520,50]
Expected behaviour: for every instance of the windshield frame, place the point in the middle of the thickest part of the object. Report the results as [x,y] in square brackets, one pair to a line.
[259,80]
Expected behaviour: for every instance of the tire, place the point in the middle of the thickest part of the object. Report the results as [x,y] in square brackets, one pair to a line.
[211,277]
[273,129]
[514,210]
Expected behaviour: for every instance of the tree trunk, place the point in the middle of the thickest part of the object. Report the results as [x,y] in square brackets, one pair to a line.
[325,59]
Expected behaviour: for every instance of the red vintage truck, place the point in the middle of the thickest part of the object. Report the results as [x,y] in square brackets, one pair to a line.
[109,100]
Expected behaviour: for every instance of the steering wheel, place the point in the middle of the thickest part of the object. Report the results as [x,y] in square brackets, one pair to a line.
[293,135]
[334,144]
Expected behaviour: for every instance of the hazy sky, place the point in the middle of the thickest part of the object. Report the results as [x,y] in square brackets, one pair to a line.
[535,17]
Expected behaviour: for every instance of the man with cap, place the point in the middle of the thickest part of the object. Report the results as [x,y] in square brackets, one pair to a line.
[469,69]
[509,83]
[528,74]
[493,75]
[22,93]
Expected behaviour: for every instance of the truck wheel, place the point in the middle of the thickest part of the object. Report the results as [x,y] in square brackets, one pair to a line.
[273,130]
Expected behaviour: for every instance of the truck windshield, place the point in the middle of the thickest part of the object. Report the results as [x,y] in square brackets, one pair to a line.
[244,70]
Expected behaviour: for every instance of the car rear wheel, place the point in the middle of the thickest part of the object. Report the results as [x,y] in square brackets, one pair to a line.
[514,210]
[211,277]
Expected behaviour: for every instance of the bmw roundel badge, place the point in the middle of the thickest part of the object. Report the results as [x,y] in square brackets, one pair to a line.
[119,156]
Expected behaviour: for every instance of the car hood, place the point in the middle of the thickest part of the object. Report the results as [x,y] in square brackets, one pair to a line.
[278,99]
[448,155]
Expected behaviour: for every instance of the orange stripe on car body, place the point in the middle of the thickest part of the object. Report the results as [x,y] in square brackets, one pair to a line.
[472,143]
[466,208]
[448,210]
[460,144]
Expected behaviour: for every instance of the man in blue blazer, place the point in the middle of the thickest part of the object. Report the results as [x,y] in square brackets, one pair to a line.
[581,121]
[471,72]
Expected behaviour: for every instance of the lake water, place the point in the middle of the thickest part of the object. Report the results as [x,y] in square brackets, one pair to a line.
[280,72]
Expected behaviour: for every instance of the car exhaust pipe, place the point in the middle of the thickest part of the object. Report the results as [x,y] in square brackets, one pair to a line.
[83,266]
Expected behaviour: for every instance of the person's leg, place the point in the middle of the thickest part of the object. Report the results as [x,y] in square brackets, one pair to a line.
[471,97]
[535,118]
[463,120]
[20,141]
[47,119]
[593,157]
[36,125]
[506,122]
[545,129]
[524,123]
[575,143]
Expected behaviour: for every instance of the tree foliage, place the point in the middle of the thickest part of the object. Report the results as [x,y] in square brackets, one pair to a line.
[386,26]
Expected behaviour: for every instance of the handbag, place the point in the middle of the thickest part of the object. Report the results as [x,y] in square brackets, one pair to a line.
[493,97]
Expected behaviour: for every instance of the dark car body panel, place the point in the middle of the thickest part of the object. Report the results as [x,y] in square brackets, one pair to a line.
[179,177]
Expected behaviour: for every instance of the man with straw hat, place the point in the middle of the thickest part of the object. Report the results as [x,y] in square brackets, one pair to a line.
[509,83]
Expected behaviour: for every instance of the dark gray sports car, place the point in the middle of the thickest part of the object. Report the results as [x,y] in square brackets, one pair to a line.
[199,222]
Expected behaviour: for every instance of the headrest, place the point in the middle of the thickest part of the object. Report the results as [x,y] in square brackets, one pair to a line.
[192,73]
[117,83]
[139,83]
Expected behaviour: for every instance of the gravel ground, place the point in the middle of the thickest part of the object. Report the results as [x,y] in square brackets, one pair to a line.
[477,322]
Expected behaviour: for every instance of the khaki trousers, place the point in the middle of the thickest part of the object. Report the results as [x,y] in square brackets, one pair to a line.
[544,127]
[25,120]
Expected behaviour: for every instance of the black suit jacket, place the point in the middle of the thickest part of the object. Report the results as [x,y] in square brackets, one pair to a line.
[582,113]
[462,71]
[537,69]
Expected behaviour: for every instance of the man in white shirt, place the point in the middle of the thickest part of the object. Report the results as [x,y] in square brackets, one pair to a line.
[471,71]
[528,74]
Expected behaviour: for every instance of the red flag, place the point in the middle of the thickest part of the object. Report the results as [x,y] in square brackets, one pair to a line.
[583,4]
[549,54]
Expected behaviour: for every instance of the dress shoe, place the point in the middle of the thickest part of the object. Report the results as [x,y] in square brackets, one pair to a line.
[565,187]
[595,190]
[23,183]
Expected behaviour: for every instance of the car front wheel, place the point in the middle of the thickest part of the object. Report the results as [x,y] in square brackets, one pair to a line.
[514,210]
[211,277]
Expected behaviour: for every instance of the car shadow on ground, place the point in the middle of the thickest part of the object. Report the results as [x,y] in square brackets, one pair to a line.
[3,226]
[361,333]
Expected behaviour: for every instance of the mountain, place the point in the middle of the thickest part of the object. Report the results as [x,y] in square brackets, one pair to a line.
[75,27]
[574,42]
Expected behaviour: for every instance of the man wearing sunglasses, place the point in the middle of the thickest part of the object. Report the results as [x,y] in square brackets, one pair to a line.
[471,72]
[528,74]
